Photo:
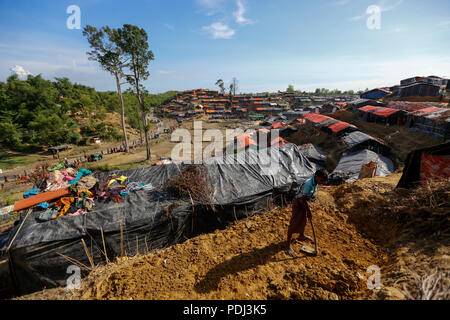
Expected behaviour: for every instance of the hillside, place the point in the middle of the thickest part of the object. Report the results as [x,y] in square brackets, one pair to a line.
[406,233]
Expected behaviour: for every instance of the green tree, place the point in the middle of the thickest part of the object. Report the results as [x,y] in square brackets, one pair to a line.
[106,51]
[221,85]
[133,42]
[290,89]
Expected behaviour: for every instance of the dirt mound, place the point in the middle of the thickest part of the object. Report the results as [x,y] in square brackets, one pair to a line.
[413,226]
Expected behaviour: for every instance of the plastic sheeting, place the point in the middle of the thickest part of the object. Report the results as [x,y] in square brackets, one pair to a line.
[314,154]
[339,126]
[316,118]
[350,165]
[357,137]
[414,169]
[385,112]
[243,184]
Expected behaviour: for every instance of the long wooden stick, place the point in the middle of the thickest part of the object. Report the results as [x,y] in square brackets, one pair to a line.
[88,254]
[137,245]
[20,227]
[314,235]
[146,246]
[104,246]
[74,261]
[121,238]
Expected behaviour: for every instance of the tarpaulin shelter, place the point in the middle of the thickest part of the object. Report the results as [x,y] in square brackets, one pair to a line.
[385,112]
[350,165]
[370,108]
[314,154]
[245,141]
[243,184]
[355,104]
[342,127]
[375,93]
[315,118]
[423,164]
[385,115]
[277,125]
[277,142]
[427,110]
[418,89]
[435,122]
[358,140]
[390,115]
[326,123]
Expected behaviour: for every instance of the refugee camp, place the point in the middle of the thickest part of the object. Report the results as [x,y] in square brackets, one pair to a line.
[212,151]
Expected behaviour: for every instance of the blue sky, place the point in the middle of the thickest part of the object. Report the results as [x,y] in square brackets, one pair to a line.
[265,44]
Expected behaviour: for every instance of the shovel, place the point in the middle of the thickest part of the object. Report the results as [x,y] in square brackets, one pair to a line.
[307,249]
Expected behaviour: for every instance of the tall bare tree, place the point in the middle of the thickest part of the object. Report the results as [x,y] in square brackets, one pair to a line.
[111,58]
[133,41]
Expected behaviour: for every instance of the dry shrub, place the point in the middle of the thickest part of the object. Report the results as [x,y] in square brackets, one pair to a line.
[435,286]
[194,183]
[424,209]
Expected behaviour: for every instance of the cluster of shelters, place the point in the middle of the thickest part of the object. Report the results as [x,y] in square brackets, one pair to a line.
[426,117]
[423,86]
[330,124]
[382,114]
[361,150]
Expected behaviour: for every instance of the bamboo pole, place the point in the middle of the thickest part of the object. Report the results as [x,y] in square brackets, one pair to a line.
[88,254]
[18,230]
[72,260]
[104,246]
[137,245]
[234,211]
[121,238]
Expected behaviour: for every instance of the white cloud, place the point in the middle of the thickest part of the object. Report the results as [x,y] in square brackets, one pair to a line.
[218,30]
[20,71]
[356,18]
[341,2]
[239,14]
[210,7]
[384,6]
[169,26]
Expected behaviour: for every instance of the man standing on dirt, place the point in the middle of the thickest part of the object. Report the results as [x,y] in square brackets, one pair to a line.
[300,207]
